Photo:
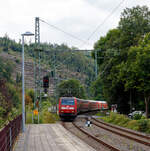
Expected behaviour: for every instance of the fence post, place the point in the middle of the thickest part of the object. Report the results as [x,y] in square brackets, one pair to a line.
[10,137]
[5,143]
[32,118]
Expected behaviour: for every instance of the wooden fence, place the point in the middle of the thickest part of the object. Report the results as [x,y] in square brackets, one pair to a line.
[9,134]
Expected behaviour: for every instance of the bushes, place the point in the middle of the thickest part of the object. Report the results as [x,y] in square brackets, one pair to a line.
[6,69]
[2,111]
[44,115]
[48,117]
[102,113]
[132,125]
[9,94]
[9,102]
[142,124]
[137,116]
[114,118]
[15,97]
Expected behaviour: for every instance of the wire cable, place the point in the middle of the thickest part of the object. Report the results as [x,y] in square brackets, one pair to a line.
[53,26]
[107,17]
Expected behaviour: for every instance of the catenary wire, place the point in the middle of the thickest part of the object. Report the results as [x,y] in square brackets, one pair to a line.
[53,26]
[107,17]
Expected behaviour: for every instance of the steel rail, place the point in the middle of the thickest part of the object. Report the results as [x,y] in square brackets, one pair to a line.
[121,129]
[123,135]
[112,148]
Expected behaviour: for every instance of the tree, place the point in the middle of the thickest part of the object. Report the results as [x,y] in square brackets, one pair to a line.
[109,56]
[134,23]
[97,90]
[136,71]
[6,69]
[107,46]
[113,54]
[71,88]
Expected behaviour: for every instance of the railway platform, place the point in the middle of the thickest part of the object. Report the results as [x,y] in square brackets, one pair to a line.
[49,137]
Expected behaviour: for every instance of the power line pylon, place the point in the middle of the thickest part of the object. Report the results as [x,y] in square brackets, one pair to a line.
[37,66]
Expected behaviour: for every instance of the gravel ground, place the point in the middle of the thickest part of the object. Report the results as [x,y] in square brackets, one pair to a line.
[122,143]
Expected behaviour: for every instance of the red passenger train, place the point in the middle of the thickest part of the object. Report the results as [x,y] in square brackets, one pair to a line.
[71,106]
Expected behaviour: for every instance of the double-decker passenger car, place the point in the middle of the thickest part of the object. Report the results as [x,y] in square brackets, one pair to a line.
[71,106]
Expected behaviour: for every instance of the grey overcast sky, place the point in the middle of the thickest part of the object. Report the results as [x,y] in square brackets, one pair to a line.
[77,17]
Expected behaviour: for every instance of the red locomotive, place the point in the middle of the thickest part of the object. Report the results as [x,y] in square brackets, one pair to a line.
[71,106]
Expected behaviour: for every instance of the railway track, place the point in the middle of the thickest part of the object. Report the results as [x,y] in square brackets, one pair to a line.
[102,143]
[143,139]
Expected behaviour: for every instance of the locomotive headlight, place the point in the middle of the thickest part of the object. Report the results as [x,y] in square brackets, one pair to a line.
[63,108]
[71,108]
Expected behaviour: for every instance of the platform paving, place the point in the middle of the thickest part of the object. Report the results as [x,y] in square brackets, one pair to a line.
[49,137]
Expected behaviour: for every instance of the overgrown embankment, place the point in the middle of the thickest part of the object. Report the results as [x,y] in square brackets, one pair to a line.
[10,93]
[142,124]
[45,116]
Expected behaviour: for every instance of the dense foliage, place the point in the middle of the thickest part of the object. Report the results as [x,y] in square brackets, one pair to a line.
[62,62]
[142,124]
[5,69]
[6,44]
[123,57]
[71,88]
[9,94]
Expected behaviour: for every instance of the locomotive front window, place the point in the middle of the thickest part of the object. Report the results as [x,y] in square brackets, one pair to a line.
[67,102]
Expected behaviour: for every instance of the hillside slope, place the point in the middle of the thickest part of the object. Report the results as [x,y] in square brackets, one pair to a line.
[65,62]
[10,93]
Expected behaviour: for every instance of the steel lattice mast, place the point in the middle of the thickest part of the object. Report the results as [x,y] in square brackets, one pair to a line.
[37,66]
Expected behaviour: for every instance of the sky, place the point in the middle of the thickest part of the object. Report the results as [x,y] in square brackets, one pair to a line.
[79,18]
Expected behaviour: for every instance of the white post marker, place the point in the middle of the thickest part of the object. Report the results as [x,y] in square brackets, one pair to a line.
[88,123]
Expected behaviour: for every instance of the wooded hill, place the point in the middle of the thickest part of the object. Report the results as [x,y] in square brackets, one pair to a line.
[59,62]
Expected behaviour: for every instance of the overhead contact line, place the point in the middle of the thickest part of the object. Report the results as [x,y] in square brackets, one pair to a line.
[107,17]
[57,28]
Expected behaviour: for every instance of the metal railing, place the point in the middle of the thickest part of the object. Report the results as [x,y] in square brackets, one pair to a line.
[9,134]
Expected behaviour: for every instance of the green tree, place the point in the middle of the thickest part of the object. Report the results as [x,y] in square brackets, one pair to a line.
[135,72]
[71,88]
[97,90]
[113,53]
[134,23]
[6,69]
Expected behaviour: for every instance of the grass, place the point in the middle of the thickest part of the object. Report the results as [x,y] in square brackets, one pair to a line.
[102,113]
[44,117]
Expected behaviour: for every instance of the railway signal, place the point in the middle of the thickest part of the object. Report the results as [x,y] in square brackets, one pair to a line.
[46,82]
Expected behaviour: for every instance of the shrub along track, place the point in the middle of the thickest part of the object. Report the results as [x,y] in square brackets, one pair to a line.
[140,138]
[88,138]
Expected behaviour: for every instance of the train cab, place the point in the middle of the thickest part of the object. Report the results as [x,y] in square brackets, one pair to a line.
[67,107]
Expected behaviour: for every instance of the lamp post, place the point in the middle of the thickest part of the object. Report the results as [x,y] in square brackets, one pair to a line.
[23,102]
